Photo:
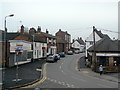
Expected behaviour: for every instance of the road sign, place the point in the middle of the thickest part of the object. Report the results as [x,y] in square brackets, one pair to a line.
[19,48]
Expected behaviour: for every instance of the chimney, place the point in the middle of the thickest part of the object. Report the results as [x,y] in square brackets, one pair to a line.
[32,31]
[59,29]
[39,29]
[73,40]
[47,31]
[22,29]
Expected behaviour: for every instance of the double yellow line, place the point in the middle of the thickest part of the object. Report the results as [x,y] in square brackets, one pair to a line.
[42,80]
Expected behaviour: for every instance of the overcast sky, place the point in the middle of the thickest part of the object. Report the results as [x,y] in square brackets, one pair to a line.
[75,16]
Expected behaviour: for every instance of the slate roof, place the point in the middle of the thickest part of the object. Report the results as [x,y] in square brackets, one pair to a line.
[101,35]
[106,45]
[80,42]
[48,35]
[12,35]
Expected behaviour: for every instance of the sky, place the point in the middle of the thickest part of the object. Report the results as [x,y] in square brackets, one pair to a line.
[77,17]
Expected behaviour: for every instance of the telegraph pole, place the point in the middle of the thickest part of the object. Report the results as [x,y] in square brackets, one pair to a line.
[94,47]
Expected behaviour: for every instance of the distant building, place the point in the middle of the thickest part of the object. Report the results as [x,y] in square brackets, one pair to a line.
[78,44]
[63,41]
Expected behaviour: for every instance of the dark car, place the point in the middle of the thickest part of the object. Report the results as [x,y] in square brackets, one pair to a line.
[52,58]
[62,54]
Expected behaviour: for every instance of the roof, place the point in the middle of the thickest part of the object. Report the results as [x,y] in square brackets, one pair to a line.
[48,35]
[106,45]
[65,32]
[12,35]
[101,35]
[80,41]
[36,37]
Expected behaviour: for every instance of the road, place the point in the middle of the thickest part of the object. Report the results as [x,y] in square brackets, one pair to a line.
[64,74]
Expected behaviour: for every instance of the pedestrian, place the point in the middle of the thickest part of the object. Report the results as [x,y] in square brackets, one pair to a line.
[101,69]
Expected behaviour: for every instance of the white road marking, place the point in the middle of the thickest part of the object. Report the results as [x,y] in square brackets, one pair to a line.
[16,80]
[60,67]
[72,86]
[63,83]
[51,80]
[59,82]
[55,81]
[68,85]
[48,78]
[38,69]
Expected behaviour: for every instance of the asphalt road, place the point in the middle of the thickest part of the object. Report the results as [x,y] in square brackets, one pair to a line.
[64,74]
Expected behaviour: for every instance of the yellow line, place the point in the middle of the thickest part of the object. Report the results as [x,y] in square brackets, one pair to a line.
[42,80]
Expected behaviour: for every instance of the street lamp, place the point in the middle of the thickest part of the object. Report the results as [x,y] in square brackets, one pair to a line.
[5,45]
[94,47]
[33,47]
[5,37]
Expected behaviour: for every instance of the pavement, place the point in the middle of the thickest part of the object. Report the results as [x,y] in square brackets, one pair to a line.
[27,74]
[114,77]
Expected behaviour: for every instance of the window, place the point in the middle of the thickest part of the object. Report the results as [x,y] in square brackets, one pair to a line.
[116,61]
[91,43]
[103,60]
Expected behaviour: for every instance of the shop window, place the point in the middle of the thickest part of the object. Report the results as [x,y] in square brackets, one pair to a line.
[103,60]
[116,61]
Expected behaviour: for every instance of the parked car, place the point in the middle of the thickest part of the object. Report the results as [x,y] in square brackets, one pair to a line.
[76,51]
[52,58]
[62,54]
[57,56]
[70,52]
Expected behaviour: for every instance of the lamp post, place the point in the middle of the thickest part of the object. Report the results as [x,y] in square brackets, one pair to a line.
[5,37]
[94,48]
[5,46]
[33,47]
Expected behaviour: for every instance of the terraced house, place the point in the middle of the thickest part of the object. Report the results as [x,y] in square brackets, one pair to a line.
[31,44]
[63,41]
[49,39]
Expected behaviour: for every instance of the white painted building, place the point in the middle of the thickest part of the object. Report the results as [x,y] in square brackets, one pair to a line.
[24,56]
[39,50]
[77,45]
[89,40]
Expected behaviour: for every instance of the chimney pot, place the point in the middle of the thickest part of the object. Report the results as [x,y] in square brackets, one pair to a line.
[22,29]
[47,31]
[39,29]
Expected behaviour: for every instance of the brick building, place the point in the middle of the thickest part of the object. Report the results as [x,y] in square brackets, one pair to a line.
[63,41]
[49,38]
